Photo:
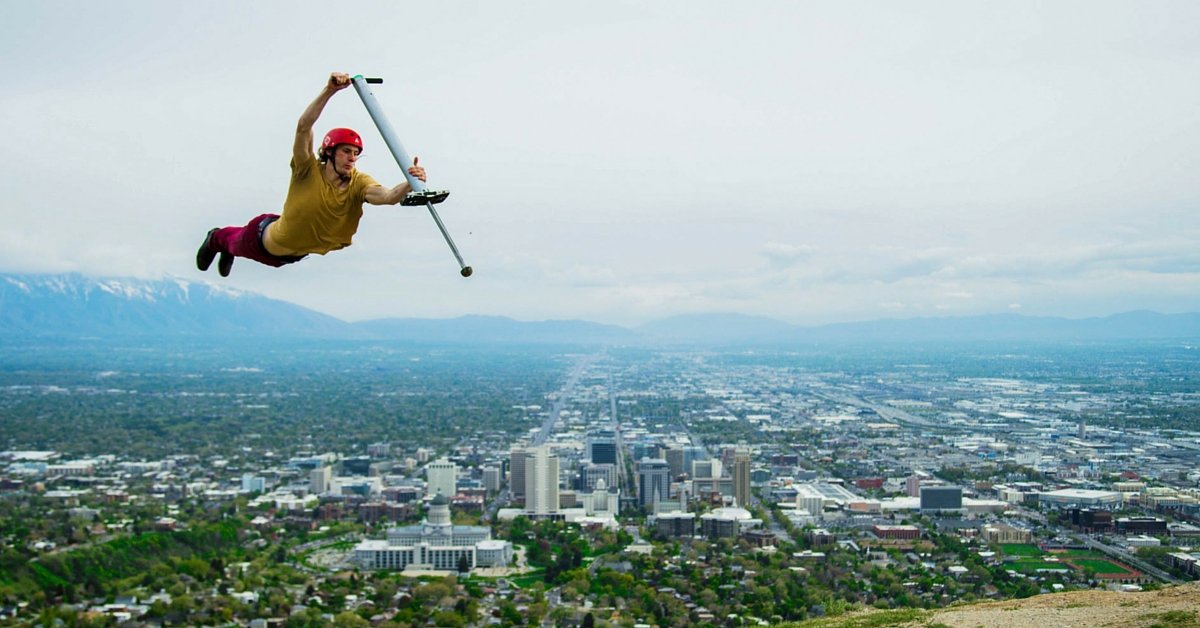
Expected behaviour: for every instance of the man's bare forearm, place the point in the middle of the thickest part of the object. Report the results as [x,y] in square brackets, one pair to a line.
[379,195]
[313,112]
[337,82]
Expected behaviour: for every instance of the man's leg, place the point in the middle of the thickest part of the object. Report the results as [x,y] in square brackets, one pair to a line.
[230,242]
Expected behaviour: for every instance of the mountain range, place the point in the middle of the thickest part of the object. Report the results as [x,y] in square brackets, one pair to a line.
[74,305]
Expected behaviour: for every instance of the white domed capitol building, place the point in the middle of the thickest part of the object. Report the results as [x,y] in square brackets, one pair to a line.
[435,544]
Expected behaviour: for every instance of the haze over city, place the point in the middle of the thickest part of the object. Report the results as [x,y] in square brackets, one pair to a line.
[621,162]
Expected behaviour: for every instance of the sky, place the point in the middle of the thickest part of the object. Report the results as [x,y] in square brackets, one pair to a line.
[620,161]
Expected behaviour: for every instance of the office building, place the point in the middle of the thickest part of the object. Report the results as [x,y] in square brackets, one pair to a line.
[442,478]
[707,468]
[653,481]
[896,532]
[674,458]
[590,474]
[675,524]
[1091,520]
[741,475]
[320,480]
[492,479]
[1006,534]
[1142,525]
[680,459]
[357,465]
[541,482]
[516,472]
[809,499]
[602,448]
[913,483]
[253,484]
[941,498]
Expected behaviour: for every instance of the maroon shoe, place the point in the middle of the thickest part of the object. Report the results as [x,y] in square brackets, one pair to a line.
[225,264]
[204,256]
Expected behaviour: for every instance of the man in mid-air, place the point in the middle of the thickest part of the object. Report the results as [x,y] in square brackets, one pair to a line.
[324,200]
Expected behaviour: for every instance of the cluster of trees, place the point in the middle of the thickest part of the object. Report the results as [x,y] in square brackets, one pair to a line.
[1009,471]
[99,570]
[550,545]
[729,577]
[148,403]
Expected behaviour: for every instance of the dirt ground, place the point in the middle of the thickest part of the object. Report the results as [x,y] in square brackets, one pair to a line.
[1177,607]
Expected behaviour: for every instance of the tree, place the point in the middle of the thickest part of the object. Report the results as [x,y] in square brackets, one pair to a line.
[309,617]
[347,619]
[432,593]
[509,613]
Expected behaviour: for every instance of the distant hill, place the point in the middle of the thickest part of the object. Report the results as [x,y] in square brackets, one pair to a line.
[495,329]
[756,330]
[1140,325]
[720,328]
[74,305]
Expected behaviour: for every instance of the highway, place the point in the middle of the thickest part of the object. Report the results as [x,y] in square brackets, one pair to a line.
[1131,559]
[885,412]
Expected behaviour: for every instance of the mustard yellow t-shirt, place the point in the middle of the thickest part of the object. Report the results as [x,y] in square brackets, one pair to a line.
[319,217]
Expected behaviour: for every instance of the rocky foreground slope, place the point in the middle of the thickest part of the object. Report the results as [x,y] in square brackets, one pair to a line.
[1174,607]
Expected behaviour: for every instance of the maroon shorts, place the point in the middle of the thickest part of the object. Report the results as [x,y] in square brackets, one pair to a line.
[247,242]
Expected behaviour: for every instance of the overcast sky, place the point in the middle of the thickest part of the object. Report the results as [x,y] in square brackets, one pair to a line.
[623,161]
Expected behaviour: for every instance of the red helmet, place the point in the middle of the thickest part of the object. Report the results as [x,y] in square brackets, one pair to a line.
[340,136]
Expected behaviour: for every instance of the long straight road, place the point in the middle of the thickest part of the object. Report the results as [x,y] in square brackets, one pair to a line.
[622,479]
[560,399]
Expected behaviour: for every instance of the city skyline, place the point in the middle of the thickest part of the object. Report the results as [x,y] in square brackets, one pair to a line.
[975,473]
[813,163]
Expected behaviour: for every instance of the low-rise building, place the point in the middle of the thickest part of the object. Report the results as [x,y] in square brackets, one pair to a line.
[1081,498]
[1141,525]
[1005,534]
[900,532]
[435,544]
[1188,563]
[727,522]
[675,524]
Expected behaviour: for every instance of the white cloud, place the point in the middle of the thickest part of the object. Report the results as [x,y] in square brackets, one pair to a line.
[785,255]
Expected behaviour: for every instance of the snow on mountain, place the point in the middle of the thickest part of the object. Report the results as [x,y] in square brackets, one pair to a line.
[75,304]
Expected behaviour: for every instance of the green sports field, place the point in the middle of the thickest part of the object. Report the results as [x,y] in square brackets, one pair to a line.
[1021,549]
[1099,565]
[1031,566]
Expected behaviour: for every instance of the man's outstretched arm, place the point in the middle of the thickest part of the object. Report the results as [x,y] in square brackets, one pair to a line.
[379,195]
[303,147]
